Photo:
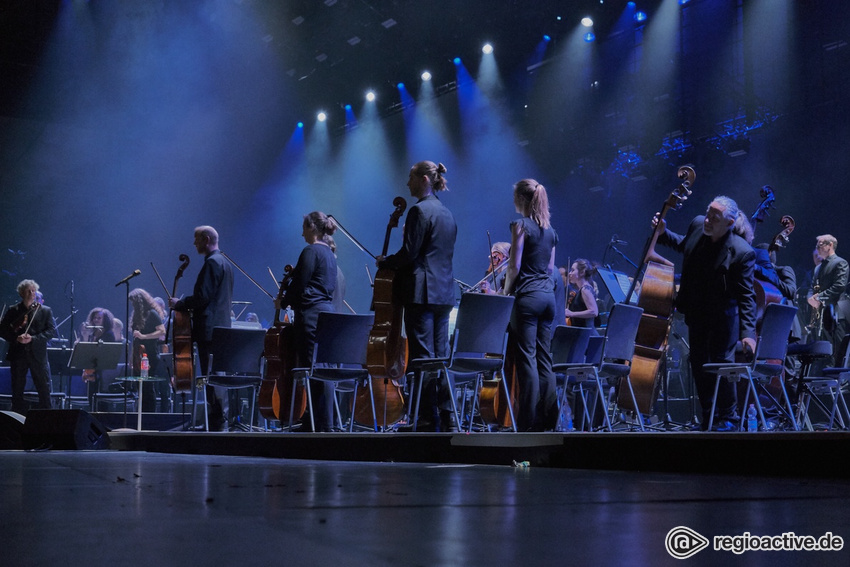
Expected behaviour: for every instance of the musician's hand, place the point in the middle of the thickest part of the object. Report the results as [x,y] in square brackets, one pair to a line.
[172,301]
[813,301]
[749,345]
[25,339]
[137,335]
[655,221]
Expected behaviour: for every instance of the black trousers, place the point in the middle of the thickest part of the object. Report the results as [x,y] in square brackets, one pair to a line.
[427,328]
[713,337]
[39,370]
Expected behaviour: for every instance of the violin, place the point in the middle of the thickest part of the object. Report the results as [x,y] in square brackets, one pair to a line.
[21,325]
[386,353]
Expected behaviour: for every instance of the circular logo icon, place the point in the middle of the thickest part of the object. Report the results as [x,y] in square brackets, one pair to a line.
[683,542]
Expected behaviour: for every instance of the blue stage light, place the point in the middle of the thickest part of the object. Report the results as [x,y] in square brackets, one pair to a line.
[400,86]
[348,107]
[456,60]
[546,37]
[640,16]
[589,36]
[300,124]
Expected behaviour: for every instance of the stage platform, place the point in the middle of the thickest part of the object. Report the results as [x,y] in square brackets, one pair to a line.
[772,454]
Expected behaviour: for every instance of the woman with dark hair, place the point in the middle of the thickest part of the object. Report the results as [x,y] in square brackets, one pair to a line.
[530,267]
[310,292]
[147,329]
[424,285]
[582,309]
[98,326]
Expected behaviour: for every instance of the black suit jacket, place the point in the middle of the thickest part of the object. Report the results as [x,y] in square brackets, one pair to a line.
[42,329]
[730,286]
[210,301]
[831,279]
[424,262]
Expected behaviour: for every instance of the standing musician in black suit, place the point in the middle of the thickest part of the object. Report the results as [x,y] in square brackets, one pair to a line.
[27,327]
[829,284]
[424,283]
[210,306]
[717,298]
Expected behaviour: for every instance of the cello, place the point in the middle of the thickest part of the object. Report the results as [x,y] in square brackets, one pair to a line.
[386,352]
[275,398]
[656,299]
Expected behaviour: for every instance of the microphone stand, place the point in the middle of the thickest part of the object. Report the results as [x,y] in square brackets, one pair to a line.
[613,247]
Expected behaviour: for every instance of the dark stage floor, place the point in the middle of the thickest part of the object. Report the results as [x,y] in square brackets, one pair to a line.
[173,497]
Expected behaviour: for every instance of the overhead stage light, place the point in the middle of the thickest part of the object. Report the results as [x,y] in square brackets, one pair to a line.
[640,16]
[300,125]
[370,96]
[587,22]
[321,117]
[487,49]
[547,37]
[589,37]
[426,76]
[456,60]
[400,86]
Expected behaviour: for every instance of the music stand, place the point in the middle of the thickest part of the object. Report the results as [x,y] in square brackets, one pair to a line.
[617,284]
[98,356]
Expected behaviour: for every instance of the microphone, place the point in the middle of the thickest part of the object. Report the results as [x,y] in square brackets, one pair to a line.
[616,240]
[128,278]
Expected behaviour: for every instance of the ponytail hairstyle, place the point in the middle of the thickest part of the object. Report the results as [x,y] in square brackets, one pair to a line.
[530,197]
[320,222]
[434,172]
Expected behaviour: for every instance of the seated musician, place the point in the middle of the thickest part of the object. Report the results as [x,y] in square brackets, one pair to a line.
[582,309]
[499,253]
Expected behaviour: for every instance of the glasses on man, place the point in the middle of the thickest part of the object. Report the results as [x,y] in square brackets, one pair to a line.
[823,244]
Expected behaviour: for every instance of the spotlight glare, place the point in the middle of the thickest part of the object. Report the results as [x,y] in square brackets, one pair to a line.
[370,96]
[682,2]
[400,86]
[426,76]
[321,117]
[547,37]
[456,60]
[487,49]
[640,16]
[589,37]
[587,22]
[348,107]
[300,125]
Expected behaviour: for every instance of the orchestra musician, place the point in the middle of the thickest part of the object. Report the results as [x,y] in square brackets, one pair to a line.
[148,328]
[529,278]
[828,287]
[582,309]
[499,253]
[424,285]
[27,327]
[210,306]
[98,326]
[309,292]
[717,299]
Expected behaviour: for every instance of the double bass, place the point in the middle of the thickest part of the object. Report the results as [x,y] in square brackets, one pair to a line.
[386,352]
[275,399]
[181,339]
[656,299]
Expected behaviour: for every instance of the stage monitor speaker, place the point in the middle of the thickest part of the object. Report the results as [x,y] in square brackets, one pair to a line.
[11,427]
[64,430]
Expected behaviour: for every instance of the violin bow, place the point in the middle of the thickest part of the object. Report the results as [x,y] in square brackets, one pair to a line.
[244,273]
[351,237]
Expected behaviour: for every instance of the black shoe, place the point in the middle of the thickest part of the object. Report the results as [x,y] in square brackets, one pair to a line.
[448,423]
